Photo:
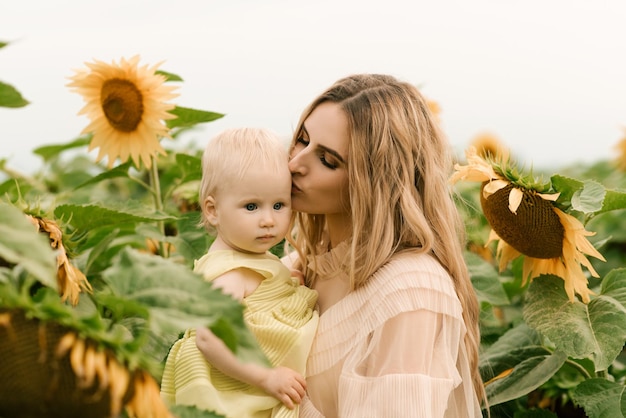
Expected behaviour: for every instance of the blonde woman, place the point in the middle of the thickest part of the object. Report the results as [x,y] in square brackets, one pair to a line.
[246,201]
[378,236]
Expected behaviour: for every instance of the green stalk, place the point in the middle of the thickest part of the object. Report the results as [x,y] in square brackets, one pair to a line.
[158,202]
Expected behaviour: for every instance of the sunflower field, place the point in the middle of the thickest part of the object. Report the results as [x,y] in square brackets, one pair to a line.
[97,281]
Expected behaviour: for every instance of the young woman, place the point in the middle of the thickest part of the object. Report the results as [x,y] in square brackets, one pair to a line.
[378,236]
[246,201]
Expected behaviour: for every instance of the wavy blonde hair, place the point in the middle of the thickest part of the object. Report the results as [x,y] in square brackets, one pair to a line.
[398,167]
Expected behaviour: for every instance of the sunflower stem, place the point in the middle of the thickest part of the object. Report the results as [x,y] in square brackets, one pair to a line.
[579,367]
[158,202]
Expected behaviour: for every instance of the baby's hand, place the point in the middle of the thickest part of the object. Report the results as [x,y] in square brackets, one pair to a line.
[284,384]
[298,275]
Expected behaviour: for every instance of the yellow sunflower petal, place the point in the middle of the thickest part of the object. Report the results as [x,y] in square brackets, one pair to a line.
[476,169]
[515,198]
[493,186]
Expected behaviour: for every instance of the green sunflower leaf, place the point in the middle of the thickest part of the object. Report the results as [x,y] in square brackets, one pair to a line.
[48,152]
[177,299]
[533,371]
[601,398]
[187,117]
[614,200]
[90,216]
[119,171]
[169,76]
[596,330]
[510,349]
[10,97]
[20,243]
[614,285]
[486,281]
[590,198]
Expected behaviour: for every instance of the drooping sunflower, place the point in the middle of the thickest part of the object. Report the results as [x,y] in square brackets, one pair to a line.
[526,221]
[127,106]
[70,280]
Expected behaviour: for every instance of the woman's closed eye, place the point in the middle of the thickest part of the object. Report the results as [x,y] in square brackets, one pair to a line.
[324,156]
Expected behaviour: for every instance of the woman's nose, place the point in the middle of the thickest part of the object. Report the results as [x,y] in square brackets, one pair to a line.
[296,163]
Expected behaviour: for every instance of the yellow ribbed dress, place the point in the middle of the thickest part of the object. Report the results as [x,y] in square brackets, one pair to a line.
[280,313]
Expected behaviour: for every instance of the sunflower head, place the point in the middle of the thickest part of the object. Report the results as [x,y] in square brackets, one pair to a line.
[126,104]
[534,229]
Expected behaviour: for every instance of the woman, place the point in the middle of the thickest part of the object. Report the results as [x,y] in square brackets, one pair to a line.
[377,235]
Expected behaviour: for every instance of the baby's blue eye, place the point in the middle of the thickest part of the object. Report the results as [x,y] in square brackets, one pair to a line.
[278,206]
[250,206]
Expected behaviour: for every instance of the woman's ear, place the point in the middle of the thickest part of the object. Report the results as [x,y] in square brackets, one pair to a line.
[210,210]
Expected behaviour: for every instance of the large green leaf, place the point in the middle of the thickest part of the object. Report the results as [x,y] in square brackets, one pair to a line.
[10,97]
[597,329]
[588,196]
[118,171]
[178,299]
[48,152]
[486,281]
[510,349]
[589,199]
[601,398]
[614,285]
[91,216]
[20,243]
[525,377]
[614,200]
[186,117]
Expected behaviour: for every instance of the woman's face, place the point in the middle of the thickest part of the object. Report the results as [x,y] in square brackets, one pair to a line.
[318,163]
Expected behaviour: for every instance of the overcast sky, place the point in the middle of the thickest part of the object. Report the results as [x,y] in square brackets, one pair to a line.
[548,77]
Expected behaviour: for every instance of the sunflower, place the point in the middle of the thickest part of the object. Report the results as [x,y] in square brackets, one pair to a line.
[525,221]
[126,105]
[490,146]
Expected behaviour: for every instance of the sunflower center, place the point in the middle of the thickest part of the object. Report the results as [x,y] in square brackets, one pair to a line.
[122,104]
[535,230]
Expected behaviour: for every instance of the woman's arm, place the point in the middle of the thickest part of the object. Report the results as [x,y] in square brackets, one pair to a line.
[284,384]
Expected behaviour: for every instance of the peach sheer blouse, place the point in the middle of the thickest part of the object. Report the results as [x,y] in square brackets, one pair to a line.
[393,348]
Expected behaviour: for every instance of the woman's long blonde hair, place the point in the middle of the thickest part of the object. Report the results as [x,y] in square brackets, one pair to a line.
[399,164]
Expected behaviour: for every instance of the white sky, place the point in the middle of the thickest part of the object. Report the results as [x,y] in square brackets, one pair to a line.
[546,76]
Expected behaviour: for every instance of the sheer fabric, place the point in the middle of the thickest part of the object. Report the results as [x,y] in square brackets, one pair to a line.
[393,348]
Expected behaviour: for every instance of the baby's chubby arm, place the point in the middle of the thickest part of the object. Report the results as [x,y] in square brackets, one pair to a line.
[284,384]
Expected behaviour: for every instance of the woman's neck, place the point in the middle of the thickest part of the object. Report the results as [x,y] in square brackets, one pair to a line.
[339,228]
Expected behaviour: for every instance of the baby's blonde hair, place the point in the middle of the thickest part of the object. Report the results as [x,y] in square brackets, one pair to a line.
[231,154]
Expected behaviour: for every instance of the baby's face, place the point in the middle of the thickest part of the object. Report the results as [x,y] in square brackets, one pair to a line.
[253,214]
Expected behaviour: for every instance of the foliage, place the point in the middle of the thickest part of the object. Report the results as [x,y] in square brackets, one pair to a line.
[543,355]
[135,235]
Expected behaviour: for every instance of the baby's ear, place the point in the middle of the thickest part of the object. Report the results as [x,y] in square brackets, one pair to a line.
[210,210]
